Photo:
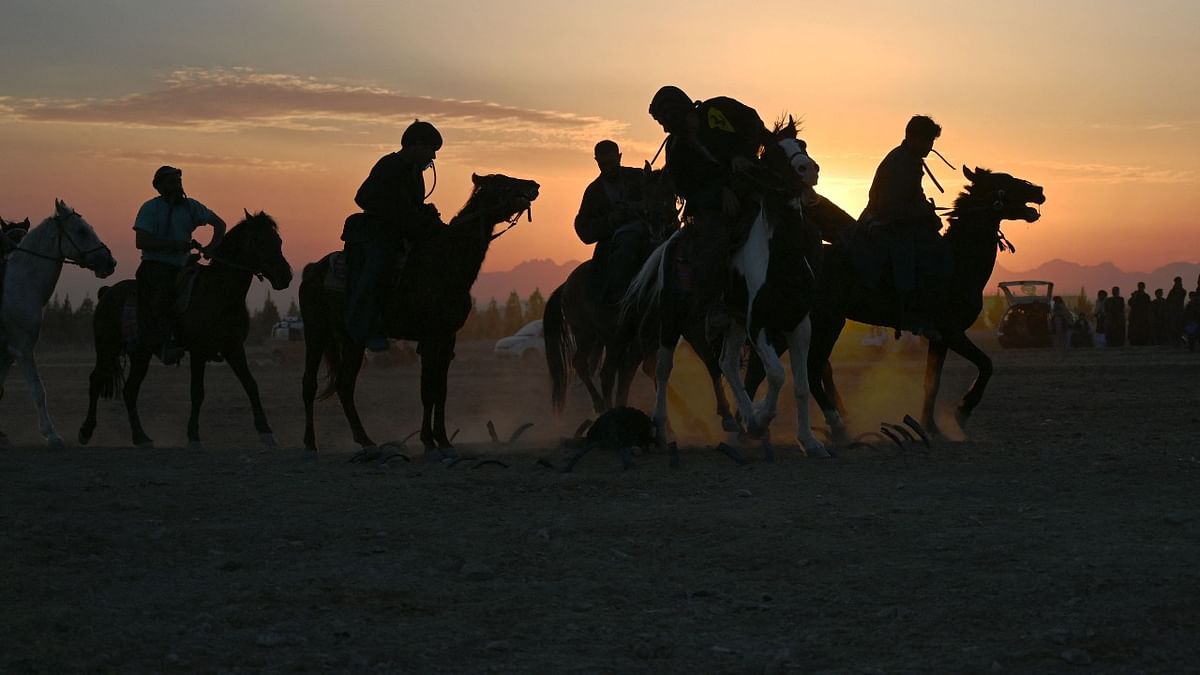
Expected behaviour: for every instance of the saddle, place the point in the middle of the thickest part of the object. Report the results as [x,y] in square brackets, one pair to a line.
[185,285]
[338,274]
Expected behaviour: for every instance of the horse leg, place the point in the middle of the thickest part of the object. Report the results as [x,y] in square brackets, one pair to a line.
[824,336]
[731,366]
[313,351]
[347,378]
[139,363]
[197,392]
[38,390]
[435,364]
[235,356]
[583,363]
[441,391]
[962,345]
[768,408]
[935,361]
[712,363]
[799,341]
[104,374]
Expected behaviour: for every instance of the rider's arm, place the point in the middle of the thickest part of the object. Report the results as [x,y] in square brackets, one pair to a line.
[218,227]
[593,222]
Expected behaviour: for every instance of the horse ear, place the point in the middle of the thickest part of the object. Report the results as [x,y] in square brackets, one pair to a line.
[475,179]
[59,206]
[246,212]
[968,173]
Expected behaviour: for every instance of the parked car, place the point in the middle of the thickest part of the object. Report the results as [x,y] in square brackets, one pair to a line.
[1026,322]
[526,343]
[290,328]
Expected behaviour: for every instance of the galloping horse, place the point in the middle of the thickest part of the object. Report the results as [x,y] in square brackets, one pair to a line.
[31,273]
[771,289]
[974,238]
[430,306]
[214,324]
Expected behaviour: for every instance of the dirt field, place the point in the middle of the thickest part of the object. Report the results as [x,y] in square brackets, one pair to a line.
[1063,536]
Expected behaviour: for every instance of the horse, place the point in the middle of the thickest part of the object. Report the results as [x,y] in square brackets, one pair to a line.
[974,239]
[586,335]
[212,326]
[764,293]
[430,304]
[32,271]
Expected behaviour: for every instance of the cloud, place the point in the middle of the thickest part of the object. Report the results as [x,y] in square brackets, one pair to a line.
[198,159]
[1164,125]
[1084,172]
[241,99]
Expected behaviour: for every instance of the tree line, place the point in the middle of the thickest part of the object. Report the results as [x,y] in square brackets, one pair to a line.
[64,323]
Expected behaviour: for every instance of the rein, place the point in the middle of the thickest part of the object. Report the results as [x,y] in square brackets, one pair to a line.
[237,266]
[63,257]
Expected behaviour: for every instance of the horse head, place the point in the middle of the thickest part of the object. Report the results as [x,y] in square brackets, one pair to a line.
[77,242]
[502,197]
[1001,195]
[254,244]
[786,156]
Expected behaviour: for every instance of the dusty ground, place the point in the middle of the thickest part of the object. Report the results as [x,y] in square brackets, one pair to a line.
[1064,536]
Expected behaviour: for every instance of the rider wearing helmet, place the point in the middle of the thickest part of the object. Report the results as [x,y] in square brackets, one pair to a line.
[709,146]
[394,214]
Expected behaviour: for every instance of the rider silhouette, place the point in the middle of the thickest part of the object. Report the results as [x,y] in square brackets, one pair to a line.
[164,227]
[610,216]
[709,147]
[901,220]
[394,214]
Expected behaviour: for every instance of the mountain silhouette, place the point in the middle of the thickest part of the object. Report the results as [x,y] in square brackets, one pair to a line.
[1069,277]
[540,273]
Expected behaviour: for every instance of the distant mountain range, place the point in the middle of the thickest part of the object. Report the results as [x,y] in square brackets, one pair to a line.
[540,273]
[1068,278]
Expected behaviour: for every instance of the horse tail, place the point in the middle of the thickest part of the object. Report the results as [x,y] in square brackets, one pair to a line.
[560,344]
[645,290]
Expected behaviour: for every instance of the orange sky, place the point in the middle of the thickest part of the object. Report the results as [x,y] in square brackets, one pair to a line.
[285,106]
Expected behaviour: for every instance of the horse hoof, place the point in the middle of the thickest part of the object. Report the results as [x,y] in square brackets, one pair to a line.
[84,438]
[195,445]
[818,452]
[56,443]
[731,425]
[268,441]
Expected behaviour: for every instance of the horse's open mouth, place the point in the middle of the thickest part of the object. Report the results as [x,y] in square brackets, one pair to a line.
[1031,214]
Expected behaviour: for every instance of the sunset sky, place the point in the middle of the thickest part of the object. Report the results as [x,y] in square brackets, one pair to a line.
[285,106]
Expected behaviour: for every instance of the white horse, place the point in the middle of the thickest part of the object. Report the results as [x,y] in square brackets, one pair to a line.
[751,264]
[30,276]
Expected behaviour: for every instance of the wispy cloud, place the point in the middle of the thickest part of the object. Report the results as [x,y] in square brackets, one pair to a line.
[200,159]
[1161,125]
[1084,172]
[240,99]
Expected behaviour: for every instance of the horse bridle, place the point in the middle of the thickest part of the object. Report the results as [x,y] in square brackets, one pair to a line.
[63,257]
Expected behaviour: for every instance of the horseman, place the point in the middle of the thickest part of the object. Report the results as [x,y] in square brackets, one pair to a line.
[394,214]
[710,147]
[901,221]
[164,227]
[611,216]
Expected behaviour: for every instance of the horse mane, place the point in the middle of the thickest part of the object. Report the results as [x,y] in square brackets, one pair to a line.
[252,223]
[965,199]
[786,126]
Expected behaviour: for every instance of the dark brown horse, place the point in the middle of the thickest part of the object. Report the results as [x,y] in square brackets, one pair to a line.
[430,305]
[974,238]
[585,335]
[214,324]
